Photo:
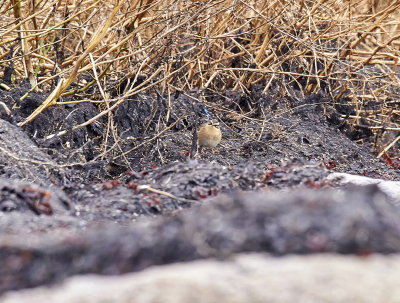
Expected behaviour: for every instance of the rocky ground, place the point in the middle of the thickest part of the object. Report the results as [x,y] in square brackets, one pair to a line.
[84,202]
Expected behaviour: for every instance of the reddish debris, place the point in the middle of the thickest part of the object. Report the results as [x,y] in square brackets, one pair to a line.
[110,184]
[152,200]
[37,200]
[134,174]
[269,173]
[134,185]
[390,161]
[200,192]
[330,164]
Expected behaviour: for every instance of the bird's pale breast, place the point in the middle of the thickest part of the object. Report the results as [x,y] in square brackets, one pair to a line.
[209,136]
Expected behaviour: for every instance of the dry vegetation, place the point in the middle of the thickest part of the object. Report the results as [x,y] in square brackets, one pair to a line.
[349,50]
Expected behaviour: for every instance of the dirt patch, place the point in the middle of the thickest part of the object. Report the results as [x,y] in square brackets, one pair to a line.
[274,130]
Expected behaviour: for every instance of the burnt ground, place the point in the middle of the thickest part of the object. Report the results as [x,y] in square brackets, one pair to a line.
[122,193]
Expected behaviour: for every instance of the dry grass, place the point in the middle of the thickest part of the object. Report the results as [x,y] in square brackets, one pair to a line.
[349,49]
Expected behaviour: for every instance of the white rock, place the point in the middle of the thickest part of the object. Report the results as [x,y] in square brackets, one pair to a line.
[391,188]
[252,278]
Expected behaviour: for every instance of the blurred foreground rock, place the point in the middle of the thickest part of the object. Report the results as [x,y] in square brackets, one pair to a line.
[252,278]
[359,221]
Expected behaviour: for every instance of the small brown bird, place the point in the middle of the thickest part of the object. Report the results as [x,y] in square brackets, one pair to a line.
[209,135]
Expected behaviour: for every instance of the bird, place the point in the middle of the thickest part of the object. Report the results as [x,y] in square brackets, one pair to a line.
[209,135]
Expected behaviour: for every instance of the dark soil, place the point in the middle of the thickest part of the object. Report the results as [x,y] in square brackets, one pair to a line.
[122,194]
